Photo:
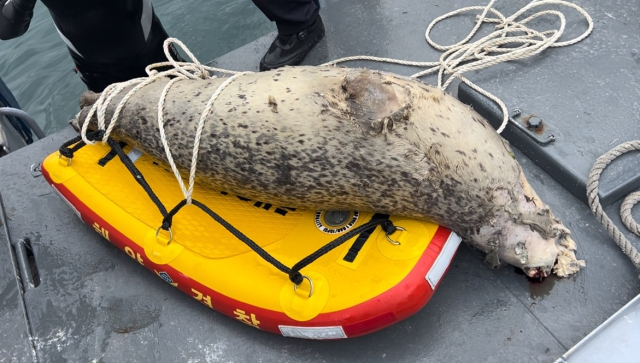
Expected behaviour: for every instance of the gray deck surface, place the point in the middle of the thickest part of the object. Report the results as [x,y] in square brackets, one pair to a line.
[614,340]
[94,303]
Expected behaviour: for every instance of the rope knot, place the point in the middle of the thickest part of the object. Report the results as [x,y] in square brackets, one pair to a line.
[166,223]
[66,152]
[204,74]
[295,277]
[96,135]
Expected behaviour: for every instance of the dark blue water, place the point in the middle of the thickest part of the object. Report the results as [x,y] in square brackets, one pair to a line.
[37,67]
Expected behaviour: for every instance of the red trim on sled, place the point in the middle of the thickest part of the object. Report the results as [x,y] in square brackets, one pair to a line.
[395,304]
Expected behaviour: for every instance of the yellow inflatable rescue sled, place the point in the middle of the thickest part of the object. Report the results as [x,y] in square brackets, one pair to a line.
[271,267]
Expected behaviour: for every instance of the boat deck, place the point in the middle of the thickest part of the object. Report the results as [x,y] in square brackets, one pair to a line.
[94,303]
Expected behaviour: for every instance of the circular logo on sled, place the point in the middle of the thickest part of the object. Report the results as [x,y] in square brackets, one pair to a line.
[335,221]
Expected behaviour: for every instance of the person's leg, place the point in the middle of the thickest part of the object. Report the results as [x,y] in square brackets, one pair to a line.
[290,16]
[154,52]
[98,76]
[300,28]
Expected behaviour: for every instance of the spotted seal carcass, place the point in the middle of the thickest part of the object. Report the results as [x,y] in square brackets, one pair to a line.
[338,138]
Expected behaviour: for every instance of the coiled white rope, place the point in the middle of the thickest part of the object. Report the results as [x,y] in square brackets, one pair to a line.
[628,203]
[463,57]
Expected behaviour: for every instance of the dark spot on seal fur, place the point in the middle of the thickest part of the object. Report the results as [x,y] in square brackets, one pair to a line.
[482,167]
[242,126]
[445,135]
[242,97]
[478,121]
[143,120]
[461,152]
[475,151]
[405,174]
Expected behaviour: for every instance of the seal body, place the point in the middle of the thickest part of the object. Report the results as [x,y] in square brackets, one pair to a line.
[338,138]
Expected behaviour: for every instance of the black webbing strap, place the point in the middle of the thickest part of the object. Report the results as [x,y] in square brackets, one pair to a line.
[361,240]
[294,273]
[387,227]
[246,240]
[167,221]
[137,175]
[111,154]
[67,150]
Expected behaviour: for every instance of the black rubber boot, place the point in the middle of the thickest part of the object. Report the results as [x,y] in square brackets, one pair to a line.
[290,50]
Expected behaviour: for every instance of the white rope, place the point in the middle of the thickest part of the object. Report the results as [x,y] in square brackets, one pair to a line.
[163,137]
[463,57]
[628,203]
[196,143]
[457,59]
[188,192]
[180,71]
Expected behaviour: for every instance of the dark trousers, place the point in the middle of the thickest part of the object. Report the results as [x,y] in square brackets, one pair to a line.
[98,76]
[291,16]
